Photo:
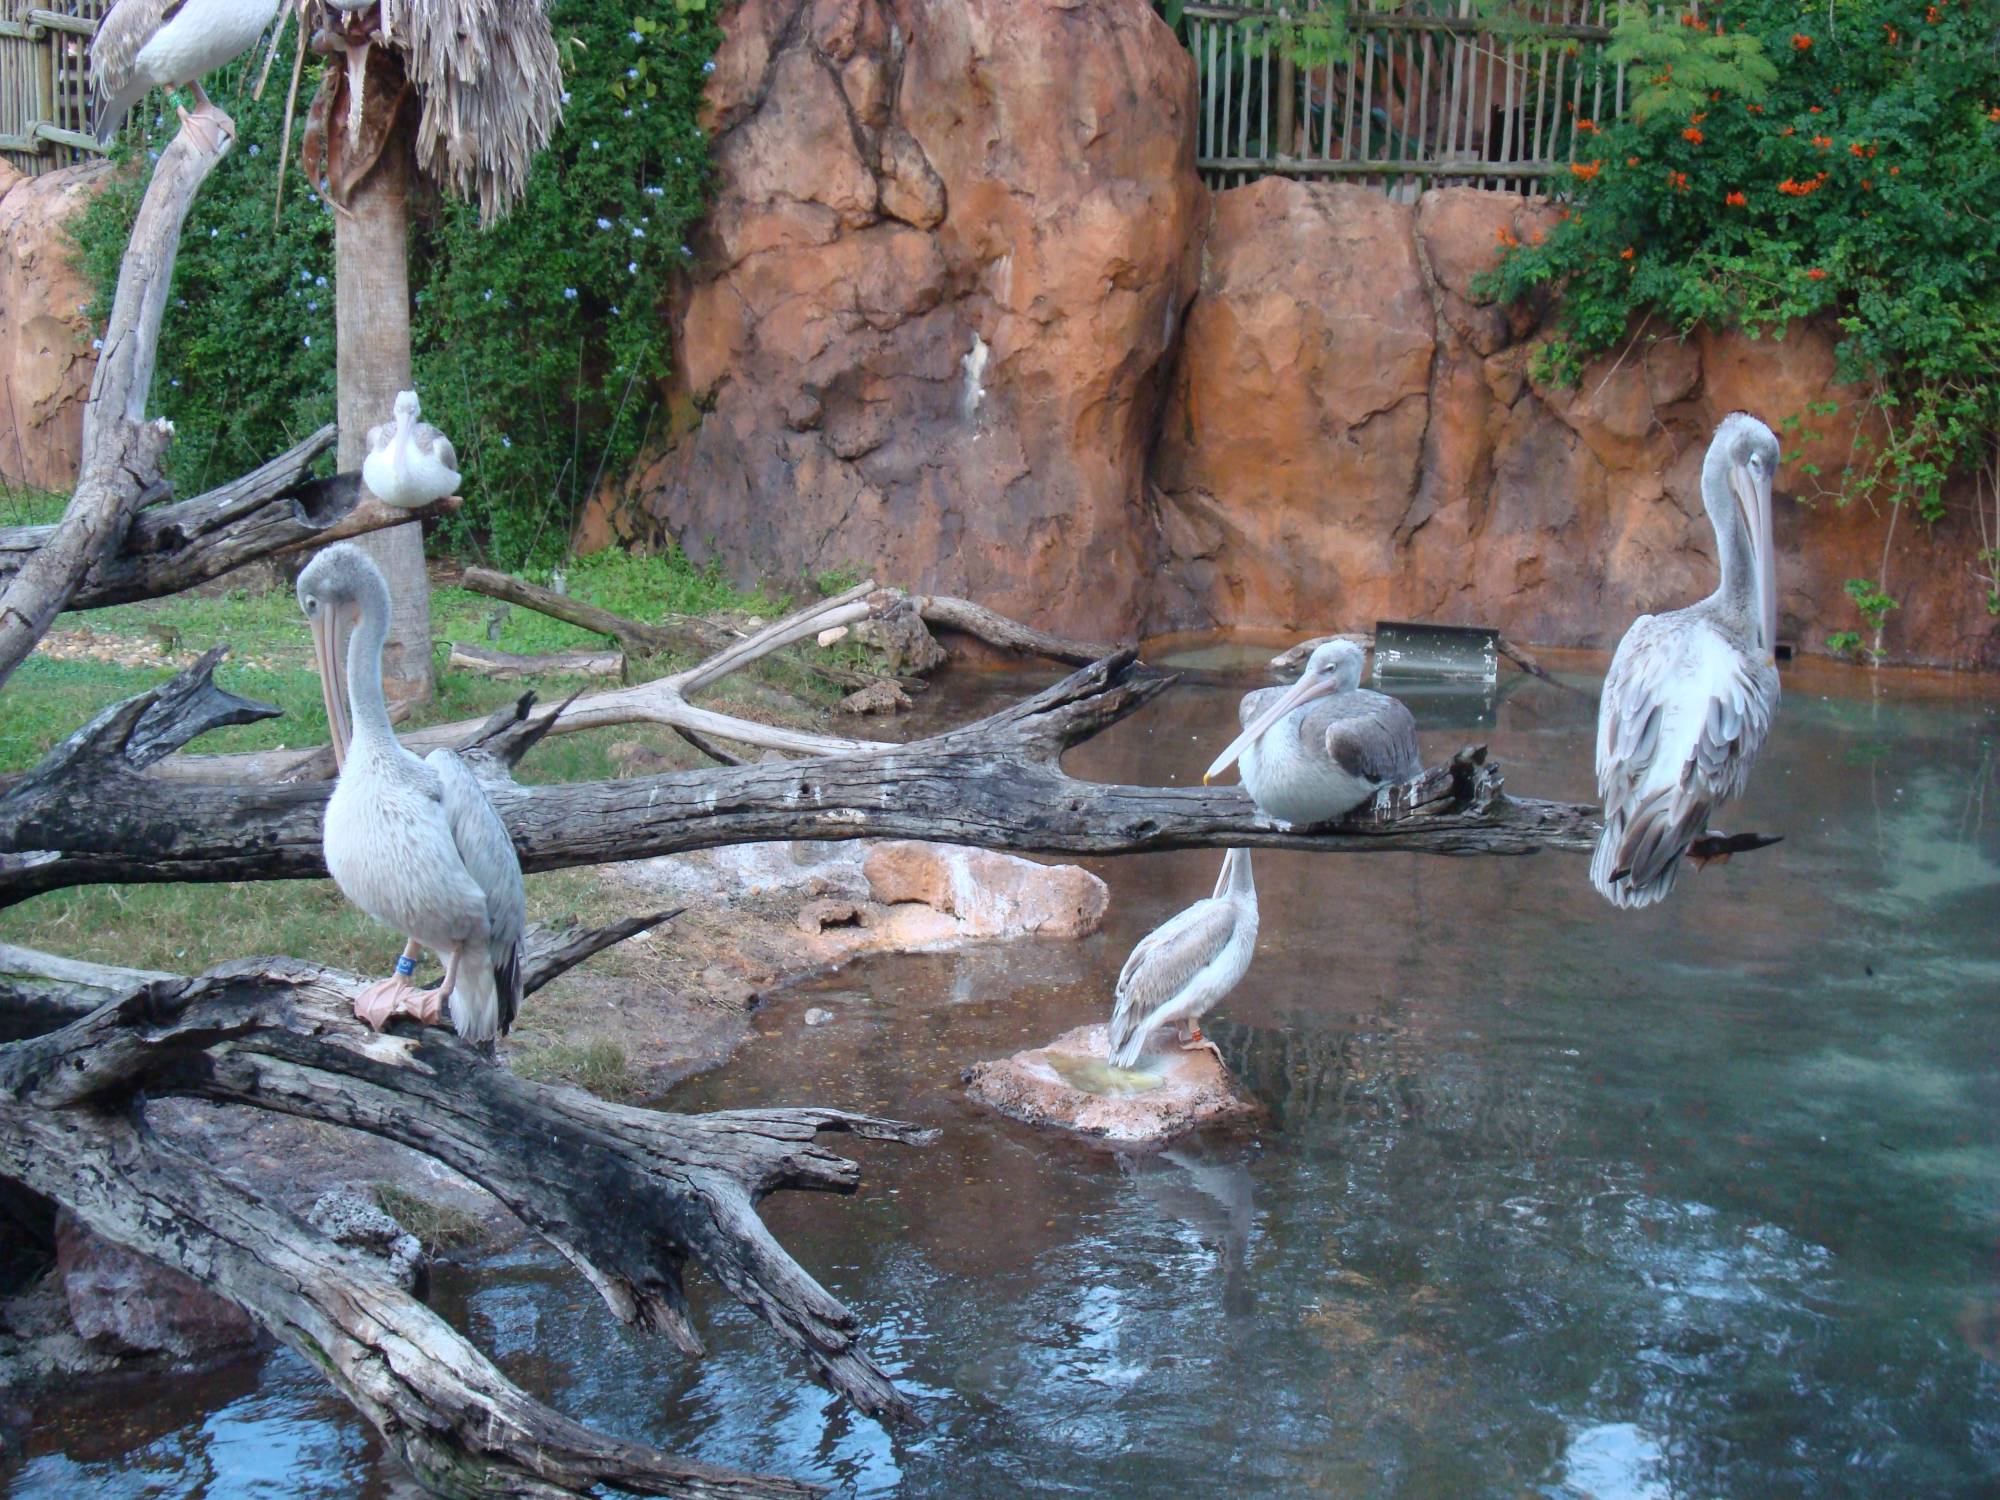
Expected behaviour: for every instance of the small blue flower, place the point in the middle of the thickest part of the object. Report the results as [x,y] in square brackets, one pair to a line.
[628,114]
[213,233]
[709,66]
[305,275]
[686,251]
[565,96]
[635,36]
[632,268]
[603,223]
[253,148]
[593,145]
[97,343]
[489,294]
[638,233]
[312,307]
[631,72]
[616,313]
[505,441]
[569,294]
[309,341]
[319,281]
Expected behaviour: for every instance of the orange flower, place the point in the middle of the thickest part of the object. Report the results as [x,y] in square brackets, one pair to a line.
[1933,15]
[1794,189]
[1586,169]
[1696,119]
[1895,171]
[1586,127]
[1789,130]
[1627,253]
[1692,136]
[1678,181]
[1816,274]
[1562,214]
[1506,237]
[1801,41]
[1736,200]
[1755,109]
[1860,150]
[1631,161]
[1994,115]
[1895,36]
[1867,185]
[1815,110]
[1822,141]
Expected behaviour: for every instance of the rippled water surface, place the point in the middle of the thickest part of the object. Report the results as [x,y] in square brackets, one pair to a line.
[1547,1199]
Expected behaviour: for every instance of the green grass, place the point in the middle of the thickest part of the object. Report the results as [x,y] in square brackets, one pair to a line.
[599,1067]
[20,507]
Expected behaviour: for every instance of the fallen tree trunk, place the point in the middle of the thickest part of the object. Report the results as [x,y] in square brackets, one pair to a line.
[280,1035]
[976,620]
[272,510]
[506,666]
[680,633]
[89,814]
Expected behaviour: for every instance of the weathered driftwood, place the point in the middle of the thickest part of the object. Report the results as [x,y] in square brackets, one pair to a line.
[509,667]
[679,633]
[121,450]
[976,620]
[272,510]
[88,813]
[280,1035]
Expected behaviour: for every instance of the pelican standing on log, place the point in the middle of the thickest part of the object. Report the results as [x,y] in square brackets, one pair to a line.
[149,44]
[1323,746]
[409,463]
[413,843]
[1691,694]
[1182,969]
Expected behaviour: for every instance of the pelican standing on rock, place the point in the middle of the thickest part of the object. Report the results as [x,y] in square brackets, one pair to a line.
[148,44]
[1691,694]
[1181,970]
[409,463]
[414,843]
[1322,746]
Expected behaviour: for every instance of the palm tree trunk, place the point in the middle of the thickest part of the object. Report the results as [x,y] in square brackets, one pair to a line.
[372,321]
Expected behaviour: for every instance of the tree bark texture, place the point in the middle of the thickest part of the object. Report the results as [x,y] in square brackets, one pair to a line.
[372,327]
[121,451]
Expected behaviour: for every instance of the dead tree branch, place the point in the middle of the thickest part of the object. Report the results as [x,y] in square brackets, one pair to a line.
[679,633]
[272,510]
[89,814]
[506,666]
[121,450]
[976,620]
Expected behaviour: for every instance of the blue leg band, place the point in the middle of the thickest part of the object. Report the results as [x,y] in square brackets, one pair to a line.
[404,967]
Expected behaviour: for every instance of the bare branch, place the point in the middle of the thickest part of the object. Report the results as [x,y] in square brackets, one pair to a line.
[679,633]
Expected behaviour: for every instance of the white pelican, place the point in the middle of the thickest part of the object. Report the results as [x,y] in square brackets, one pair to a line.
[1691,694]
[148,44]
[1181,969]
[1322,746]
[409,463]
[414,843]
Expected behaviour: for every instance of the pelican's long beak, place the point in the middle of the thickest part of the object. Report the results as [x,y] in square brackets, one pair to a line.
[330,655]
[1753,499]
[1312,685]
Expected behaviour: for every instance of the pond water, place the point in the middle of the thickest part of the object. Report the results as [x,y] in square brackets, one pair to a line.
[1548,1198]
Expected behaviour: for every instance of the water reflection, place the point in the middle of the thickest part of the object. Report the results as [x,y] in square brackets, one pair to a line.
[1545,1199]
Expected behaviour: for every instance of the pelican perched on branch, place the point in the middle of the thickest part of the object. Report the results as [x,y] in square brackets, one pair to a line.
[414,843]
[1322,746]
[1691,694]
[148,44]
[1180,970]
[409,463]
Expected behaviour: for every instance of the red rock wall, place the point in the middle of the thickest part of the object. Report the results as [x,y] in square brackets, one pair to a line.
[45,340]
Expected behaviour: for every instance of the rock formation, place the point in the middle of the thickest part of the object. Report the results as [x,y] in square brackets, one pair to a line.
[45,338]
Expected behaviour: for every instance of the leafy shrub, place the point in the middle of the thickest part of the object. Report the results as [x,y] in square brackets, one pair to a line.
[1847,164]
[538,344]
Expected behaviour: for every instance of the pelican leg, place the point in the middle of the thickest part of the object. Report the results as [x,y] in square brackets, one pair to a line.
[1192,1039]
[394,996]
[428,1005]
[207,120]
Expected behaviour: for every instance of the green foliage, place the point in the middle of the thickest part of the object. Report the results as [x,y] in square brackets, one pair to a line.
[1805,161]
[538,344]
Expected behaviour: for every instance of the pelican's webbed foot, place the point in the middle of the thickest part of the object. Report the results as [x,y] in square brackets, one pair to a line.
[396,996]
[1192,1040]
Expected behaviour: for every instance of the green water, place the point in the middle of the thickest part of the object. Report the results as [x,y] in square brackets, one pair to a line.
[1548,1199]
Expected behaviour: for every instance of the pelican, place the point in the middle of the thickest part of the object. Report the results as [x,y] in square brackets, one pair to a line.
[1322,746]
[148,44]
[414,843]
[1691,694]
[1180,970]
[409,463]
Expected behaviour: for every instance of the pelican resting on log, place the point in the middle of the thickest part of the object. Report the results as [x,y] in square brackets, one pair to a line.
[149,44]
[414,843]
[1181,969]
[1691,694]
[1323,746]
[409,463]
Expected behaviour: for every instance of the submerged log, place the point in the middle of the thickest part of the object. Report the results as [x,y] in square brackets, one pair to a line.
[280,1035]
[89,813]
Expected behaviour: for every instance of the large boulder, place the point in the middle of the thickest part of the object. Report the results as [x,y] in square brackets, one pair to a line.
[934,300]
[131,1304]
[46,359]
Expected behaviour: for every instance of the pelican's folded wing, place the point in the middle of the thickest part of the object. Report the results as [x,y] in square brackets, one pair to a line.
[1164,963]
[1370,736]
[488,853]
[437,445]
[123,36]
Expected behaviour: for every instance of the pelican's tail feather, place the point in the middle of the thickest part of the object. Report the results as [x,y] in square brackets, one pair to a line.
[1639,854]
[509,986]
[477,998]
[1127,1046]
[111,112]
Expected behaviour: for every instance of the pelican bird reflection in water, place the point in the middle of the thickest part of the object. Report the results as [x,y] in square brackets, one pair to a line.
[413,843]
[1182,969]
[1691,694]
[409,463]
[1323,746]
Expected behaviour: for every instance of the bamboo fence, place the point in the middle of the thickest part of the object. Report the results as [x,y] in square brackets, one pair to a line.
[45,103]
[1426,93]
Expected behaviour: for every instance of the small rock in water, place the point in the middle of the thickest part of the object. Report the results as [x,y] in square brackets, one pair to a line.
[1070,1085]
[818,1017]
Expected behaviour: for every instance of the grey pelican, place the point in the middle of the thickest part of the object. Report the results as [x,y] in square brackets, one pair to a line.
[148,44]
[409,463]
[1181,969]
[1322,746]
[414,843]
[1691,694]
